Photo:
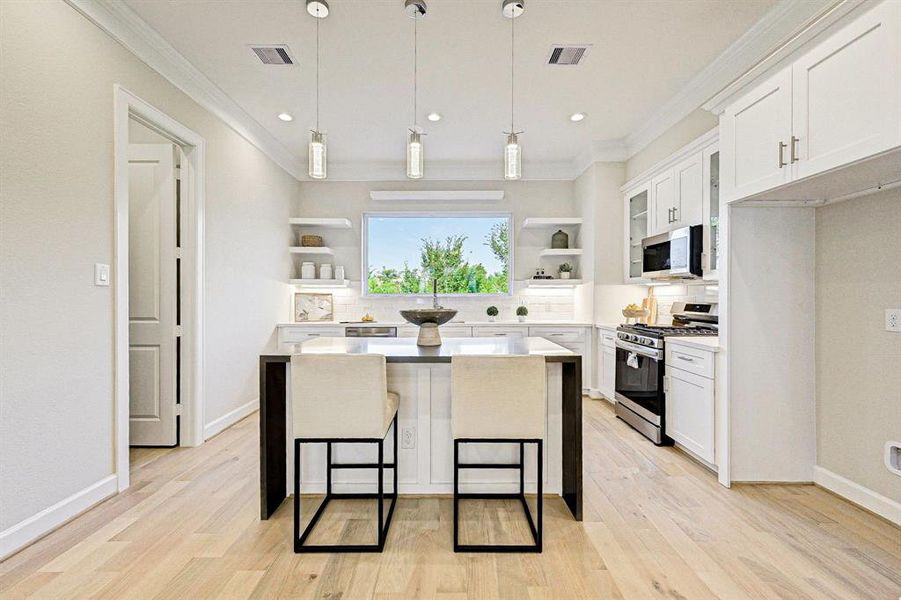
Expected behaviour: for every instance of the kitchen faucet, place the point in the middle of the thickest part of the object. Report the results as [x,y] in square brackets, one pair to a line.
[435,304]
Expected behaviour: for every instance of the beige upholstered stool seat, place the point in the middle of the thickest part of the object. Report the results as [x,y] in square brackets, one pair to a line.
[498,396]
[341,396]
[337,399]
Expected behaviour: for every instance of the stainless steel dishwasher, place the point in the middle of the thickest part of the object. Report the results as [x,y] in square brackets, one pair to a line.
[383,332]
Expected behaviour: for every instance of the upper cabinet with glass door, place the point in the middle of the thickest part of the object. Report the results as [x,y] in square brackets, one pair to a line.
[710,261]
[836,105]
[637,218]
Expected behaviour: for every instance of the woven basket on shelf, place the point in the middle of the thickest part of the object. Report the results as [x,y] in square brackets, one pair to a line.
[311,241]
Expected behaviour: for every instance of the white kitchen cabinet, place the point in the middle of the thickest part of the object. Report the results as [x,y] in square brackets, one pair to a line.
[846,94]
[609,376]
[688,181]
[499,331]
[710,212]
[662,202]
[690,412]
[606,365]
[297,334]
[754,136]
[637,205]
[836,105]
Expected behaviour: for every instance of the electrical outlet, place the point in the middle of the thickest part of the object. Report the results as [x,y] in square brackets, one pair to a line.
[408,437]
[893,319]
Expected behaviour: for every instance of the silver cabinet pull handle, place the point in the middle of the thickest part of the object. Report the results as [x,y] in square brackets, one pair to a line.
[685,358]
[794,149]
[675,218]
[782,147]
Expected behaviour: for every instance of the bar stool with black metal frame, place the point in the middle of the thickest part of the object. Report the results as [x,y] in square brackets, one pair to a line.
[343,399]
[499,400]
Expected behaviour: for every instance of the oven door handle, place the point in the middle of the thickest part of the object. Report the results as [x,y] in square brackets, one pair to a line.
[640,350]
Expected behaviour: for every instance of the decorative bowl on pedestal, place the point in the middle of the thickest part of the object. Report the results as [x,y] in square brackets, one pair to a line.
[428,320]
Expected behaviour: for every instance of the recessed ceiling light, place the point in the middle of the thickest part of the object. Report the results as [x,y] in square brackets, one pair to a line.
[285,117]
[434,116]
[576,117]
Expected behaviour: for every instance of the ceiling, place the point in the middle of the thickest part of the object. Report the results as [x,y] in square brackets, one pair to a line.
[644,52]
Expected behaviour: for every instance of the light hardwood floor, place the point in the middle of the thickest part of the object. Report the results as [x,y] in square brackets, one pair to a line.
[656,526]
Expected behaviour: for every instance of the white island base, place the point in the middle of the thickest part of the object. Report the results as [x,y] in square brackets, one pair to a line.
[425,454]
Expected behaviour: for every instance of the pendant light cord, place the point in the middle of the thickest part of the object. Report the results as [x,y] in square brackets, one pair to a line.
[512,57]
[415,64]
[318,18]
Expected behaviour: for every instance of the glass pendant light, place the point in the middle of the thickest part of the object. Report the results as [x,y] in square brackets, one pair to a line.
[415,9]
[317,150]
[512,150]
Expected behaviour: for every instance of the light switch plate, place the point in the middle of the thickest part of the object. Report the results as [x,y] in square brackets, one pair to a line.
[893,319]
[101,274]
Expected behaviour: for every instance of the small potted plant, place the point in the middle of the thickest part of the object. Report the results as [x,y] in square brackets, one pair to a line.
[566,270]
[492,313]
[522,312]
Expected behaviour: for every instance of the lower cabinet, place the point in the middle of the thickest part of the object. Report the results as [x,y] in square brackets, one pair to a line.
[607,363]
[690,412]
[499,331]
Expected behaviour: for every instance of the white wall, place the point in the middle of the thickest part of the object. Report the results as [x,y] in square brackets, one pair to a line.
[858,275]
[771,341]
[522,198]
[691,127]
[56,177]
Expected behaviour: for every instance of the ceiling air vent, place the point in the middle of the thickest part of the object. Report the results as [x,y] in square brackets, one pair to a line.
[568,54]
[273,55]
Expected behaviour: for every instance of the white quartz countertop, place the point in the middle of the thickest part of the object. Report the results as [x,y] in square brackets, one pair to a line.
[406,350]
[711,343]
[451,324]
[607,326]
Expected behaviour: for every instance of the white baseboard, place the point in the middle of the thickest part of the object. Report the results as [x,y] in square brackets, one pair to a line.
[230,418]
[36,526]
[858,494]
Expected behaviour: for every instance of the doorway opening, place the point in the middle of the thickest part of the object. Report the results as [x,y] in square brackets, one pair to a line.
[158,280]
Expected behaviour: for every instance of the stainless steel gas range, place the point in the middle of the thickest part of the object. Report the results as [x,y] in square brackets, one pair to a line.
[640,397]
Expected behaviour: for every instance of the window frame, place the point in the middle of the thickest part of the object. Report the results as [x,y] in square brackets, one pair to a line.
[364,258]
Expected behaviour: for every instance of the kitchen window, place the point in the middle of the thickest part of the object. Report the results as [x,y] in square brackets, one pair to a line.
[467,254]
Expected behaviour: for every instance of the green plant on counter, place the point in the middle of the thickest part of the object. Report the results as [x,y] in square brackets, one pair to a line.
[492,311]
[522,311]
[566,268]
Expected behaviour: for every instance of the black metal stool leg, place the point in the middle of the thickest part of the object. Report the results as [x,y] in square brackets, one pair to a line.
[379,495]
[521,496]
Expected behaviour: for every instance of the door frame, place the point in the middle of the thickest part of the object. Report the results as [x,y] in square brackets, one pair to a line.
[127,105]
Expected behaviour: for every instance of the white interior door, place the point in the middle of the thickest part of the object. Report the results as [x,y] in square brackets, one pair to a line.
[152,295]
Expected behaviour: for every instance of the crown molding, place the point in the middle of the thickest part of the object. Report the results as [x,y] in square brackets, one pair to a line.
[130,30]
[599,151]
[831,16]
[781,23]
[447,171]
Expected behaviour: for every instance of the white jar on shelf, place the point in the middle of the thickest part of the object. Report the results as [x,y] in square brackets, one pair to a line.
[339,273]
[307,270]
[325,271]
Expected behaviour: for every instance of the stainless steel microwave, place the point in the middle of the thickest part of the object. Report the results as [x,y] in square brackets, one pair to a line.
[673,255]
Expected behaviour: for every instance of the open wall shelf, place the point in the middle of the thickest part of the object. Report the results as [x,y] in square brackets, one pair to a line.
[324,223]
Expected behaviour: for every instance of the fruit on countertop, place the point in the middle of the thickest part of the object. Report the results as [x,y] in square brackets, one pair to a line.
[367,318]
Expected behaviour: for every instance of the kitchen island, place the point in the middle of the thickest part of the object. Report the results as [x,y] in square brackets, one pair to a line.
[421,376]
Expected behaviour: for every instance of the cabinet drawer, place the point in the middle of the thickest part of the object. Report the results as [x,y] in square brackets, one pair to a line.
[294,335]
[490,331]
[559,334]
[455,331]
[607,338]
[690,359]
